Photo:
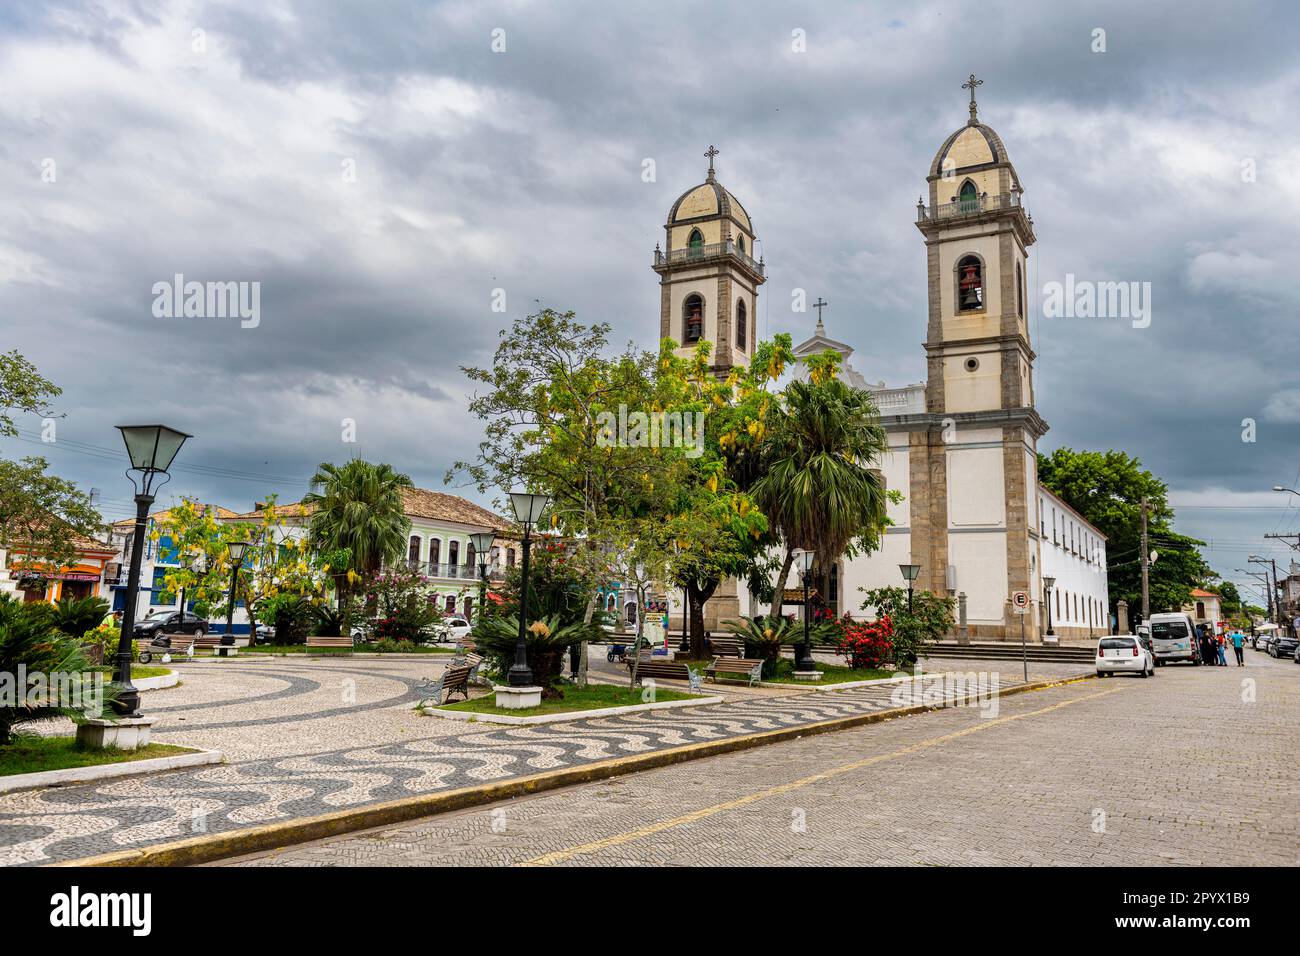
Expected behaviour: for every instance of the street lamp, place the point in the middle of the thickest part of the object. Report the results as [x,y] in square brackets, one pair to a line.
[1291,490]
[1049,582]
[910,573]
[528,509]
[482,544]
[237,549]
[151,449]
[803,653]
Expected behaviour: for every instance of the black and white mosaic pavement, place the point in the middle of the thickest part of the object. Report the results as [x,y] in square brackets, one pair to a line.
[78,821]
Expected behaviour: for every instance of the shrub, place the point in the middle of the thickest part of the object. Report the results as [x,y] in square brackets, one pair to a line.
[76,616]
[292,616]
[401,605]
[865,644]
[930,617]
[497,637]
[329,621]
[30,643]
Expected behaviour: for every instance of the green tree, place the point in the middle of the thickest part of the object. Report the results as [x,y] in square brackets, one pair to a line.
[820,488]
[928,619]
[1107,488]
[22,390]
[357,508]
[199,544]
[43,513]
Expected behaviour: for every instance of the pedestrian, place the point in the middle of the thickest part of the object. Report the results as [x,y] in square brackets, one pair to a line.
[1238,640]
[1221,646]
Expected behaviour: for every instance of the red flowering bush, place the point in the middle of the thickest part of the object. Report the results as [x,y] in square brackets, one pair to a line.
[865,644]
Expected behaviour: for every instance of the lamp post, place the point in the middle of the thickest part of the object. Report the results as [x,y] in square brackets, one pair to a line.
[482,543]
[528,509]
[151,448]
[910,572]
[237,549]
[1049,582]
[1291,490]
[803,653]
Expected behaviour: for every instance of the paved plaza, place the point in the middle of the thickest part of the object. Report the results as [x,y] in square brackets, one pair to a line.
[305,736]
[1174,770]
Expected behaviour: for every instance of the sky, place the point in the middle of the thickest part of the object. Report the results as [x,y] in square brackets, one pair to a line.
[389,172]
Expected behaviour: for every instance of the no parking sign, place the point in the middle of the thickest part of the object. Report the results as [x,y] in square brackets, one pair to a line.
[1020,601]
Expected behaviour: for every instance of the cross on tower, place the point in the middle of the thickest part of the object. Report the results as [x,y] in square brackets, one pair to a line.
[819,305]
[711,152]
[970,85]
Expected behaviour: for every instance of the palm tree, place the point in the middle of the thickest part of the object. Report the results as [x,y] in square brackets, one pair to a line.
[358,506]
[820,488]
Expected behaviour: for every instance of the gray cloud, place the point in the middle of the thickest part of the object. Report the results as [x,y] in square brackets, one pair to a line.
[521,171]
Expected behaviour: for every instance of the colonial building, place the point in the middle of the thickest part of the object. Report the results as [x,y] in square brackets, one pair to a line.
[962,444]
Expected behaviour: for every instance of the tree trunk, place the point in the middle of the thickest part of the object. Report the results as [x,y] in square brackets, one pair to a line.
[636,643]
[580,678]
[699,595]
[778,595]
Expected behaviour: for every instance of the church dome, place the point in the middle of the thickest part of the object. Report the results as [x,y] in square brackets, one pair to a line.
[707,200]
[975,144]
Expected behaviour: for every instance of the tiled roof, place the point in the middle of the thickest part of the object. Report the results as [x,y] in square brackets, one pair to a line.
[126,523]
[422,503]
[1197,592]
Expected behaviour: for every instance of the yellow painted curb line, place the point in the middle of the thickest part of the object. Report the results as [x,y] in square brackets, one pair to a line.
[217,846]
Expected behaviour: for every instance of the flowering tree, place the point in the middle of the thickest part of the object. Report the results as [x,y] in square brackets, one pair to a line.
[865,644]
[198,544]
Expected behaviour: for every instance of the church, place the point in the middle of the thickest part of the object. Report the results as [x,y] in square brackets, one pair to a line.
[963,444]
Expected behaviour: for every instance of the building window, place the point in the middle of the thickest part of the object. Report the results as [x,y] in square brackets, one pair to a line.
[435,551]
[1200,609]
[470,555]
[693,318]
[510,557]
[453,553]
[1020,292]
[969,198]
[469,610]
[740,244]
[413,550]
[451,604]
[970,284]
[740,325]
[695,244]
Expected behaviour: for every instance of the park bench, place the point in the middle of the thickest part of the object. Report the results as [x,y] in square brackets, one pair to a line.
[318,640]
[453,679]
[748,670]
[657,669]
[473,660]
[727,647]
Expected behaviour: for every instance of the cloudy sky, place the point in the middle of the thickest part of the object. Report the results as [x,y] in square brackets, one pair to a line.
[380,169]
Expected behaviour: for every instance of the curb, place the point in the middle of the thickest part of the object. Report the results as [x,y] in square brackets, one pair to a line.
[131,768]
[471,716]
[205,849]
[160,682]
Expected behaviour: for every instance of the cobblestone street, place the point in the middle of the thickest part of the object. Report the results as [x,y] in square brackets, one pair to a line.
[1187,768]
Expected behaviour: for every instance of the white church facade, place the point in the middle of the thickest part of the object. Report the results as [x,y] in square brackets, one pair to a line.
[963,444]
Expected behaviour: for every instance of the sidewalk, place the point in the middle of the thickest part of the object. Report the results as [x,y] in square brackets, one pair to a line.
[87,820]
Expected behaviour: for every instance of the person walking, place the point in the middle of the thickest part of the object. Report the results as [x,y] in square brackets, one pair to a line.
[1238,641]
[1221,646]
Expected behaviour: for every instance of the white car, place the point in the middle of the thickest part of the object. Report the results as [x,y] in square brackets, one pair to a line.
[1124,654]
[453,629]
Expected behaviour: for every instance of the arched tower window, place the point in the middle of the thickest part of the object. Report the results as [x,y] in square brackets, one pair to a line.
[692,318]
[740,243]
[970,284]
[696,242]
[1020,292]
[969,197]
[741,329]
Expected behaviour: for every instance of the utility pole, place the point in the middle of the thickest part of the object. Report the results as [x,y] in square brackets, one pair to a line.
[1146,561]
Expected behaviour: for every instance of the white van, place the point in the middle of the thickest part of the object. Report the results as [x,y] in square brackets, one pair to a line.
[1173,638]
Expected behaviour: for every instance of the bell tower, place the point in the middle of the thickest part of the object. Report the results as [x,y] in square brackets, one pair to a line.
[708,276]
[982,427]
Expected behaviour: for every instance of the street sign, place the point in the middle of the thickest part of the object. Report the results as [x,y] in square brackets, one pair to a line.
[1020,601]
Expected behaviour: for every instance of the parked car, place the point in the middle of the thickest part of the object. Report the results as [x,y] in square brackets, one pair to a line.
[169,622]
[1124,654]
[1282,645]
[453,629]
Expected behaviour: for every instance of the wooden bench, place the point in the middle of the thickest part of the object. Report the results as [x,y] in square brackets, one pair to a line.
[473,660]
[749,670]
[455,678]
[727,647]
[319,640]
[648,666]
